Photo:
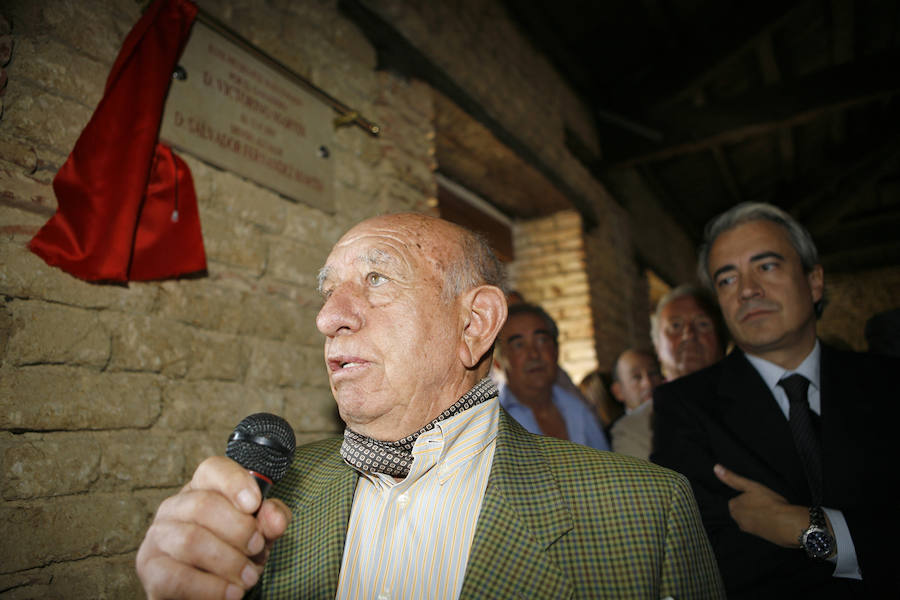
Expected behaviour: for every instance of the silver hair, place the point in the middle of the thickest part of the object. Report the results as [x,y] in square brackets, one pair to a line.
[476,265]
[747,212]
[706,301]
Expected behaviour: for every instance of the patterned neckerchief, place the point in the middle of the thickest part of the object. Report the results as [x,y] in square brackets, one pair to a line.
[395,458]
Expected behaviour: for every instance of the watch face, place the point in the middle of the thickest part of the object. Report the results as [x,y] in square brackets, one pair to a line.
[818,544]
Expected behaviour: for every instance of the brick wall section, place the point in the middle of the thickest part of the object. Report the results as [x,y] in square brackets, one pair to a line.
[852,299]
[111,395]
[549,270]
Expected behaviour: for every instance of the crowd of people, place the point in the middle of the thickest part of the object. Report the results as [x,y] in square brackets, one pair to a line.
[473,467]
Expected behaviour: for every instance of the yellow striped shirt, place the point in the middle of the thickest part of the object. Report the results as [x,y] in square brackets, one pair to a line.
[410,539]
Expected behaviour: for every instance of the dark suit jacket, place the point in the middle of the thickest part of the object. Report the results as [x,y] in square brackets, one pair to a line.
[726,414]
[558,520]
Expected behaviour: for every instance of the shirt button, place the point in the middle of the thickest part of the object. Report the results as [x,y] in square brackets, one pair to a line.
[384,596]
[402,502]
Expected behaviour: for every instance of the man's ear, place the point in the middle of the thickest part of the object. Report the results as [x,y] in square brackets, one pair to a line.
[816,278]
[484,313]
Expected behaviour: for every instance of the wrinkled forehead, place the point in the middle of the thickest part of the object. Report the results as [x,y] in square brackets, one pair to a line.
[408,242]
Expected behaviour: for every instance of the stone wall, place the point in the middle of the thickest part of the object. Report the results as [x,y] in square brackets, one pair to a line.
[852,299]
[111,395]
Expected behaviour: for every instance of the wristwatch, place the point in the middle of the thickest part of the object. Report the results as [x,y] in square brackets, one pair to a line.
[816,540]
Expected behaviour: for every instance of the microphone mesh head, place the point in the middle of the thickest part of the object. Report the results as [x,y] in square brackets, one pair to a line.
[263,443]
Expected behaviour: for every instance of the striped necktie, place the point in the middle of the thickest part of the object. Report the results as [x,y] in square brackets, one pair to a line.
[806,439]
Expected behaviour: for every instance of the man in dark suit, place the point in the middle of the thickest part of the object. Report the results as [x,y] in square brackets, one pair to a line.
[786,441]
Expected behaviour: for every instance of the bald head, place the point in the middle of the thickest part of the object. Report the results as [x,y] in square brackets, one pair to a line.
[635,375]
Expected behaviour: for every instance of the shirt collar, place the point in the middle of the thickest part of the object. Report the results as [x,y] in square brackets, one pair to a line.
[772,373]
[449,443]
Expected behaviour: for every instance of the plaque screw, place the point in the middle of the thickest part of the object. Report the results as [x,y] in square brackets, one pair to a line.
[323,152]
[179,73]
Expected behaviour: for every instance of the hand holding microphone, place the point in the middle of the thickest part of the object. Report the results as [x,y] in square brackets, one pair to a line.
[211,539]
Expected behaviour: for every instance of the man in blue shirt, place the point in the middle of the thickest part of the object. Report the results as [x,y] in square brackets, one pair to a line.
[528,352]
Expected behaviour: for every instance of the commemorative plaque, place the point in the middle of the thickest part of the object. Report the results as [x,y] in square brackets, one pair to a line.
[231,109]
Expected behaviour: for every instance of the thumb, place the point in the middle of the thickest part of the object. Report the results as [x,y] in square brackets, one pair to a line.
[274,517]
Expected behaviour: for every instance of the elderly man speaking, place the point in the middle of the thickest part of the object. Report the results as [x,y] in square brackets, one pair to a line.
[476,507]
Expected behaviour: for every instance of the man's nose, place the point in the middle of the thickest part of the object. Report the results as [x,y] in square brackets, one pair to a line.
[689,330]
[531,351]
[750,287]
[341,313]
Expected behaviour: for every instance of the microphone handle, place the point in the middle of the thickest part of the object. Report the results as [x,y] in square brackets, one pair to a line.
[264,483]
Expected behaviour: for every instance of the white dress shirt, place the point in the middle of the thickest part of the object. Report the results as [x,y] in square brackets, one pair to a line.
[410,539]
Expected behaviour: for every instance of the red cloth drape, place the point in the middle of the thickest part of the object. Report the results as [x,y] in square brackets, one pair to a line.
[127,209]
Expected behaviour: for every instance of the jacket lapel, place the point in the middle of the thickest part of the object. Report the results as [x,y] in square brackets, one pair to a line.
[307,563]
[752,417]
[522,514]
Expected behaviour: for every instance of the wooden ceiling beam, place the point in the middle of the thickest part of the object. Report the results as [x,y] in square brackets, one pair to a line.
[821,200]
[771,72]
[862,258]
[676,77]
[878,229]
[727,174]
[766,110]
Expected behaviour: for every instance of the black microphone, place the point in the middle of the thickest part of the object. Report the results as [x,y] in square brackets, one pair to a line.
[264,445]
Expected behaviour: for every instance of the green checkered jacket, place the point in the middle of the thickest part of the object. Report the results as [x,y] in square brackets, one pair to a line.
[558,520]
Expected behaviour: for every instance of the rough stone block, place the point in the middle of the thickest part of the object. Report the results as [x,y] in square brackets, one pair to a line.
[22,187]
[239,199]
[216,356]
[52,333]
[304,331]
[69,398]
[278,318]
[102,577]
[199,303]
[213,405]
[233,242]
[353,173]
[349,200]
[311,226]
[34,465]
[42,117]
[25,275]
[200,445]
[397,196]
[295,262]
[53,66]
[70,527]
[279,364]
[312,409]
[414,171]
[133,460]
[149,344]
